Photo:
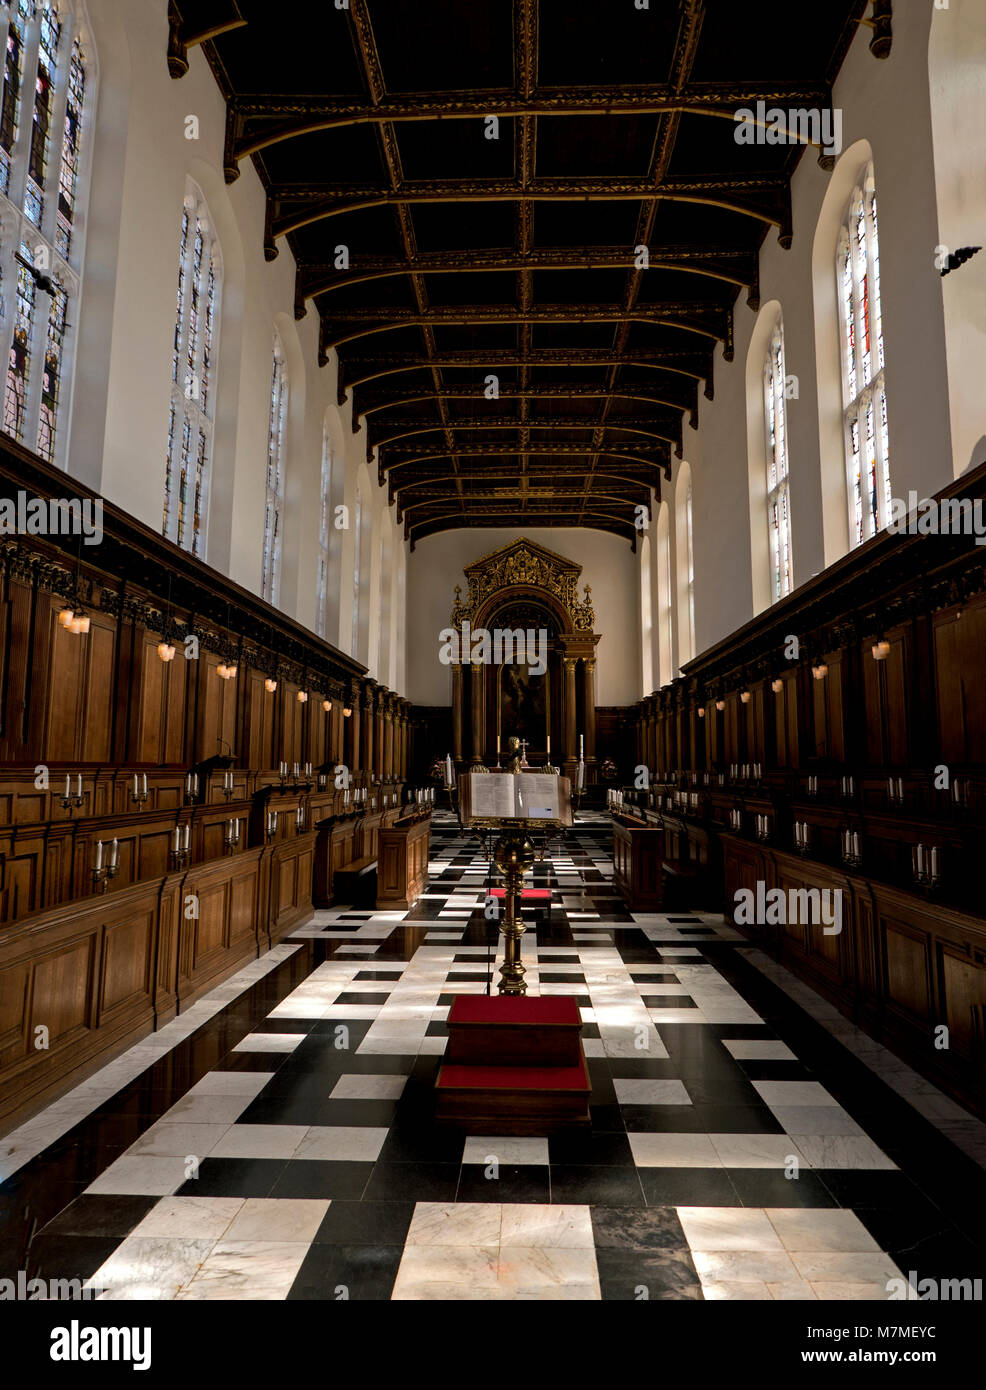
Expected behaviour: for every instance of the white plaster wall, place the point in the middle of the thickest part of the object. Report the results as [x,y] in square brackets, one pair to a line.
[141,160]
[609,567]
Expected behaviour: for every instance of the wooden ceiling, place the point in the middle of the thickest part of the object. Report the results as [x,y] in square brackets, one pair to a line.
[513,362]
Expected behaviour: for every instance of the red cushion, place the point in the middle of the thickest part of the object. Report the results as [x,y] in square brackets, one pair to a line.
[457,1078]
[525,893]
[515,1009]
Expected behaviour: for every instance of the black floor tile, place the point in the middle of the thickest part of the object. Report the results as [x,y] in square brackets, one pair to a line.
[55,1256]
[365,1223]
[607,1185]
[94,1214]
[513,1183]
[768,1187]
[413,1182]
[688,1187]
[593,1148]
[235,1177]
[646,1230]
[347,1272]
[634,1276]
[319,1178]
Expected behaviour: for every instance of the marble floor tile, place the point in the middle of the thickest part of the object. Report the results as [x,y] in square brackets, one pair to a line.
[642,1091]
[505,1150]
[342,1143]
[449,1224]
[367,1086]
[728,1228]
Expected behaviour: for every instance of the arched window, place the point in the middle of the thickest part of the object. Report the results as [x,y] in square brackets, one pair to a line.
[665,597]
[863,392]
[193,367]
[646,619]
[357,537]
[686,566]
[270,572]
[323,535]
[48,83]
[778,497]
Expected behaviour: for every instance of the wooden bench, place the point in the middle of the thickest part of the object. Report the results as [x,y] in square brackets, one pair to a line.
[356,883]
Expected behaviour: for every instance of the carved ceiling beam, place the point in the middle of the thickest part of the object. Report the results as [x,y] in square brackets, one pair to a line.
[737,267]
[601,522]
[693,316]
[656,431]
[764,197]
[370,402]
[694,366]
[185,34]
[260,120]
[656,455]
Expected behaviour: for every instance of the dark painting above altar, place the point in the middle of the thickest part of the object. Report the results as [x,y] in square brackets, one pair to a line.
[524,700]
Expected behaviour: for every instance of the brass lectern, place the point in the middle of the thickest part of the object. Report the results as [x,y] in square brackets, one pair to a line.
[517,805]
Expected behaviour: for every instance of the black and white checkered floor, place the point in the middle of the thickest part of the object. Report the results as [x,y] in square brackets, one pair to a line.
[278,1142]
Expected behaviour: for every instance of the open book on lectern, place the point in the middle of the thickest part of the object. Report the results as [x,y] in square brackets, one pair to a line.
[516,796]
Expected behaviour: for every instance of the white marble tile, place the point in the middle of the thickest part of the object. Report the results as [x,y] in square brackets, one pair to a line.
[179,1138]
[673,1151]
[735,1291]
[645,1091]
[342,1143]
[140,1175]
[285,1219]
[803,1229]
[761,1049]
[245,1269]
[231,1083]
[728,1228]
[472,1265]
[816,1120]
[270,1042]
[368,1086]
[150,1267]
[841,1151]
[539,1267]
[534,1225]
[841,1267]
[192,1218]
[451,1223]
[506,1150]
[794,1093]
[259,1141]
[758,1150]
[774,1266]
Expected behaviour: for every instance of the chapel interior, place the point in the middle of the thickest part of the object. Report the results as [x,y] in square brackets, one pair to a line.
[492,649]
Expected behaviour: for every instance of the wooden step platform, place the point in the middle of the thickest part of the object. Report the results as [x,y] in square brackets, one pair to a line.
[514,1065]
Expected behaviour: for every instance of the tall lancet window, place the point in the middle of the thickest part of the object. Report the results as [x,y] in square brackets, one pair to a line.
[270,572]
[193,366]
[48,83]
[323,535]
[863,389]
[778,496]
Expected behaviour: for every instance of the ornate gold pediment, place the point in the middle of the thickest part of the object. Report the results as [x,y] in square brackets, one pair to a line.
[524,562]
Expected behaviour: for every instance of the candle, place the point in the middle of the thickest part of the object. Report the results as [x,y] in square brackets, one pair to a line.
[114,853]
[448,769]
[580,776]
[78,785]
[68,786]
[920,859]
[174,840]
[135,784]
[581,746]
[188,833]
[295,770]
[99,854]
[855,844]
[934,864]
[548,746]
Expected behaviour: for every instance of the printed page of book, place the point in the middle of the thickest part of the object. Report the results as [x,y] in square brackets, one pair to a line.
[538,796]
[491,795]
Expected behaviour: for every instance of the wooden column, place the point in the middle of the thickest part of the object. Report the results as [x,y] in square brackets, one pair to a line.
[379,750]
[353,746]
[366,761]
[388,736]
[476,697]
[570,750]
[590,708]
[457,712]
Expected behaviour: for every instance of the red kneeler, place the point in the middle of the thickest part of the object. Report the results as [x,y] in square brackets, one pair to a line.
[514,1065]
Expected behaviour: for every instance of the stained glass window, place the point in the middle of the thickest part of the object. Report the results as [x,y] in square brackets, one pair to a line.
[43,108]
[270,572]
[863,361]
[778,496]
[322,590]
[190,430]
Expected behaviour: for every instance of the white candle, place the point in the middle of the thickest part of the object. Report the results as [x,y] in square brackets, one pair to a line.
[145,784]
[855,844]
[68,786]
[99,854]
[114,853]
[448,769]
[78,785]
[934,863]
[920,859]
[581,746]
[548,745]
[188,832]
[135,784]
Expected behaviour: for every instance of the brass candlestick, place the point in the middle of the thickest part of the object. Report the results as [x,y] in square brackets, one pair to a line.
[514,857]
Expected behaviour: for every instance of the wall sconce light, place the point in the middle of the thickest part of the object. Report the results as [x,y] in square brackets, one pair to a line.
[79,624]
[270,685]
[326,705]
[745,696]
[302,697]
[346,713]
[820,671]
[227,673]
[881,650]
[777,686]
[65,617]
[720,705]
[166,651]
[701,712]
